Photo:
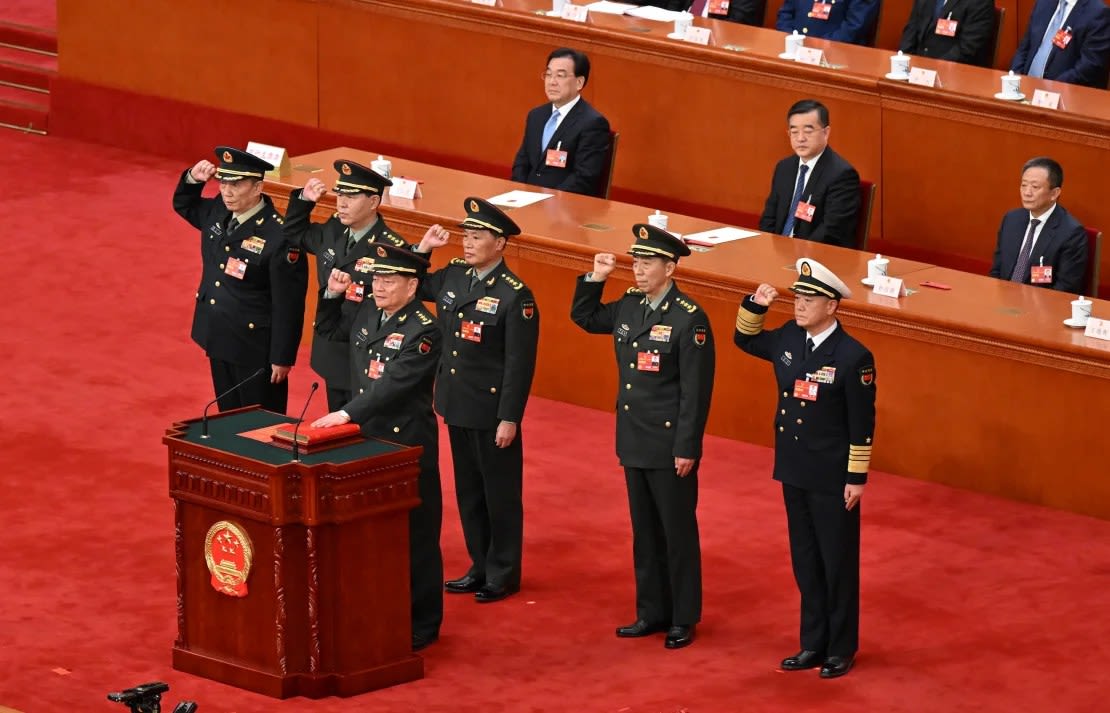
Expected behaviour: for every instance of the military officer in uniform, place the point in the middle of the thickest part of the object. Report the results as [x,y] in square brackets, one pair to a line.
[823,431]
[665,362]
[491,327]
[250,303]
[345,242]
[394,348]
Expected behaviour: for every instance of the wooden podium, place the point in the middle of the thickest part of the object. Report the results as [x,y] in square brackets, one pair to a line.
[292,577]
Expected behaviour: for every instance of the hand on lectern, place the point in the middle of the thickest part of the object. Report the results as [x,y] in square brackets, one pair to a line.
[335,418]
[203,171]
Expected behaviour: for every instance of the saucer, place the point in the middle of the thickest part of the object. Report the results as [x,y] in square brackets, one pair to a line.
[675,36]
[868,281]
[897,77]
[1074,325]
[785,55]
[1010,97]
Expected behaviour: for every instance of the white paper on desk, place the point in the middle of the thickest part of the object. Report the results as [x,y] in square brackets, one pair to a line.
[519,199]
[606,7]
[650,12]
[716,236]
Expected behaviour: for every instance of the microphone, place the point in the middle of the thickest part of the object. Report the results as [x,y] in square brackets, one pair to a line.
[296,444]
[204,419]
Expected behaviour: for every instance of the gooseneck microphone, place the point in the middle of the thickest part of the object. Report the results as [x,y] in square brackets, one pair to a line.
[296,443]
[204,419]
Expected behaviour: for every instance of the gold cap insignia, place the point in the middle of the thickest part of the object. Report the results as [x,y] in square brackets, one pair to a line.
[346,169]
[643,233]
[473,206]
[806,269]
[381,251]
[227,157]
[228,554]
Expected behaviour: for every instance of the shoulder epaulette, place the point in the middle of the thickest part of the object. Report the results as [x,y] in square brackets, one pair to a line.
[397,241]
[424,317]
[335,215]
[634,291]
[687,305]
[517,284]
[457,261]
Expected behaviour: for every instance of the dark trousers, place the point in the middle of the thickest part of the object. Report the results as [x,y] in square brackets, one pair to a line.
[488,485]
[425,556]
[338,398]
[824,550]
[666,548]
[259,390]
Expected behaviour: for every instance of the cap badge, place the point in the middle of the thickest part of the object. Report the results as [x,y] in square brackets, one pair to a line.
[643,233]
[806,269]
[381,251]
[473,206]
[346,169]
[227,157]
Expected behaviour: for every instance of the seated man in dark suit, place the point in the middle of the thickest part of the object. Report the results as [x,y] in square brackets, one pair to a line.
[815,193]
[1067,41]
[1041,243]
[955,30]
[566,142]
[745,12]
[847,21]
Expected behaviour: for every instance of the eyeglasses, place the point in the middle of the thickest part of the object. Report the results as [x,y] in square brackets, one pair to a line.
[562,75]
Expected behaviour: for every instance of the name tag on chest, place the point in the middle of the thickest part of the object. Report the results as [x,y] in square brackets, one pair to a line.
[647,361]
[805,390]
[471,331]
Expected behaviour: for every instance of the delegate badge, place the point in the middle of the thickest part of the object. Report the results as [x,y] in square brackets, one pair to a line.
[376,369]
[472,331]
[805,390]
[356,291]
[647,361]
[1041,275]
[236,268]
[228,553]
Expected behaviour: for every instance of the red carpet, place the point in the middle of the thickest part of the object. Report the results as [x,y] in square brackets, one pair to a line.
[971,603]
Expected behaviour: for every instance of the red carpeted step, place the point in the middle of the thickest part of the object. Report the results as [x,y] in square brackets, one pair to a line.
[38,38]
[24,109]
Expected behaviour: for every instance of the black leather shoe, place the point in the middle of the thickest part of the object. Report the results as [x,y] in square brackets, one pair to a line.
[639,628]
[801,661]
[423,641]
[492,593]
[679,637]
[837,666]
[464,585]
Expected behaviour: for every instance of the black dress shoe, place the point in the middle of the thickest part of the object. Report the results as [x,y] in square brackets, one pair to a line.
[639,628]
[423,641]
[492,593]
[464,585]
[801,661]
[837,666]
[679,636]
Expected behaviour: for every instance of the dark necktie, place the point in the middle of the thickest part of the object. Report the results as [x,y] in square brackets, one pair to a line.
[788,228]
[473,278]
[351,242]
[940,6]
[232,224]
[1021,267]
[809,349]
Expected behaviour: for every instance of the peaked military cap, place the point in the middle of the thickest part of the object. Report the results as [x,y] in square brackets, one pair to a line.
[483,215]
[235,165]
[815,279]
[389,260]
[655,242]
[356,178]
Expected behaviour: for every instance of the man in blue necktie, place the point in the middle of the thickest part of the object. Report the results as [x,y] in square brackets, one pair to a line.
[814,193]
[566,141]
[1066,41]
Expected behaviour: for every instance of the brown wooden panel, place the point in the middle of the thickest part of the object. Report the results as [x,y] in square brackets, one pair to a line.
[948,360]
[214,53]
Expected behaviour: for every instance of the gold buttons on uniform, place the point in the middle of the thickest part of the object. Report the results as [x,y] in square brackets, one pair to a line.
[667,424]
[361,390]
[221,266]
[493,389]
[212,301]
[780,429]
[227,248]
[452,371]
[635,344]
[628,386]
[783,412]
[217,283]
[631,365]
[626,407]
[803,404]
[784,393]
[396,429]
[799,422]
[250,325]
[460,315]
[454,353]
[456,335]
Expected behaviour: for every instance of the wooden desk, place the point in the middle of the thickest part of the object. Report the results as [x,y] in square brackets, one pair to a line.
[981,386]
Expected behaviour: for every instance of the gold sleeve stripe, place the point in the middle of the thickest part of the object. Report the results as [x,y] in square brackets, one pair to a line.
[748,322]
[859,459]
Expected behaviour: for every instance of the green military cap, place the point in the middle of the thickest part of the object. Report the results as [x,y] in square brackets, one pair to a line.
[356,178]
[656,242]
[235,165]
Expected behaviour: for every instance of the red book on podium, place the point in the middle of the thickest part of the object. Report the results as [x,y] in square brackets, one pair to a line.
[311,439]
